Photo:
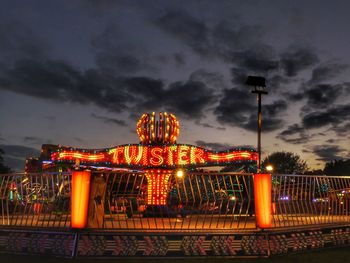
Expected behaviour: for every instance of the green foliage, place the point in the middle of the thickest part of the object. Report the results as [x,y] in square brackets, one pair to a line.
[285,163]
[337,167]
[3,168]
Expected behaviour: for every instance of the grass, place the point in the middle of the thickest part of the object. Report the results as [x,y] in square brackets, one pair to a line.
[321,256]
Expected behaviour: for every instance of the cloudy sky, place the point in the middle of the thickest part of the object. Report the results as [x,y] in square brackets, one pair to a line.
[81,73]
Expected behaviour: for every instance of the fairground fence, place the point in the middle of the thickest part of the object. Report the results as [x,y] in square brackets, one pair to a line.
[197,202]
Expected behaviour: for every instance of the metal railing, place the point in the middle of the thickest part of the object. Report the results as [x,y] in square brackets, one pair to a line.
[302,200]
[35,200]
[199,201]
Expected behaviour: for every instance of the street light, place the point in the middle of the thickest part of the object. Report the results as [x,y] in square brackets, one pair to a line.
[179,173]
[259,85]
[269,168]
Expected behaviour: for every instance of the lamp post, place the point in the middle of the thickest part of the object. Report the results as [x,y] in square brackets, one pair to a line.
[259,85]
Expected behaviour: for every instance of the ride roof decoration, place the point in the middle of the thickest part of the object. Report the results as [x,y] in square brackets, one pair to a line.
[157,149]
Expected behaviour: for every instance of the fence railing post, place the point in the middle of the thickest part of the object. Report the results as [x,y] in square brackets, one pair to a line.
[80,198]
[262,200]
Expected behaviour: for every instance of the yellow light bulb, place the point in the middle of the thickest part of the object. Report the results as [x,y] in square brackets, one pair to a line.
[180,174]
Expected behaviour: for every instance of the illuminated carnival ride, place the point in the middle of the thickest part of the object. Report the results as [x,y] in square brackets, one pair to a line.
[157,155]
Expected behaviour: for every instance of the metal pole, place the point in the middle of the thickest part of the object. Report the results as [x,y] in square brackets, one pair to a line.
[259,132]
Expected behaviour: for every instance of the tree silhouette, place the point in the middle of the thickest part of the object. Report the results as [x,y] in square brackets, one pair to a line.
[337,167]
[3,168]
[285,163]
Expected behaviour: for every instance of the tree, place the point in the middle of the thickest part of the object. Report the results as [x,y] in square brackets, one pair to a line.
[285,163]
[3,168]
[337,167]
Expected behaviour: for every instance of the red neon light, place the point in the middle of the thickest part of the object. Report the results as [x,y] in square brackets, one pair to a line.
[262,200]
[80,198]
[156,156]
[78,155]
[157,186]
[232,156]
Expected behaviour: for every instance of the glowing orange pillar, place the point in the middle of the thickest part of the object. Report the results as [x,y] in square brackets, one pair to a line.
[262,200]
[157,186]
[80,198]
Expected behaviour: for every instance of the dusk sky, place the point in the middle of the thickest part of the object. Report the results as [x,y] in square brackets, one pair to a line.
[81,73]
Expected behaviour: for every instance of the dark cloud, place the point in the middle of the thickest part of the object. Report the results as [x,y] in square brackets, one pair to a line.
[180,59]
[189,98]
[296,59]
[18,41]
[258,59]
[306,151]
[115,54]
[332,141]
[33,140]
[50,118]
[144,92]
[235,107]
[101,5]
[319,96]
[79,140]
[275,108]
[327,71]
[60,82]
[295,96]
[207,125]
[342,130]
[239,76]
[212,79]
[220,40]
[238,108]
[332,116]
[294,134]
[227,37]
[109,120]
[269,123]
[275,82]
[328,152]
[119,63]
[335,118]
[322,95]
[15,155]
[213,145]
[187,28]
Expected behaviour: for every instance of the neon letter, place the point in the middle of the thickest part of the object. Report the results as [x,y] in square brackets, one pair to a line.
[182,155]
[156,157]
[197,155]
[116,152]
[170,150]
[130,154]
